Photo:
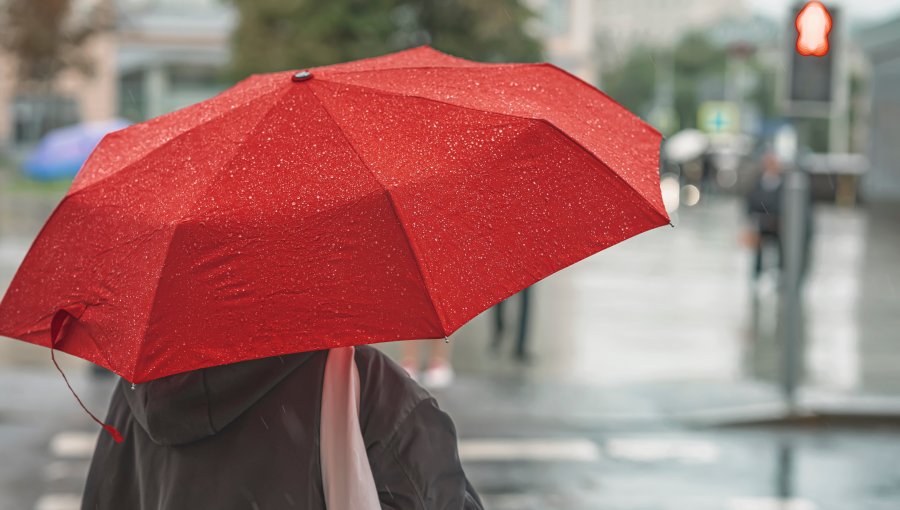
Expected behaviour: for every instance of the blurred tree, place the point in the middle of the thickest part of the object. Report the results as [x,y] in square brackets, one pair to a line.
[633,83]
[764,94]
[699,68]
[696,60]
[44,37]
[273,35]
[695,56]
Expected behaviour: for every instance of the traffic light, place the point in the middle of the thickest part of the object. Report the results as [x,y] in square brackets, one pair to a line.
[811,78]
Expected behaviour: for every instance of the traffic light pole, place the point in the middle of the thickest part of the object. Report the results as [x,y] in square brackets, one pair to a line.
[793,238]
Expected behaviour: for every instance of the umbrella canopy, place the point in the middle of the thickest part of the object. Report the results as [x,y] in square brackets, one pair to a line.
[61,152]
[385,199]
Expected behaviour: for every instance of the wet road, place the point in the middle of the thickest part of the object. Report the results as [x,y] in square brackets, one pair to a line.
[632,349]
[544,461]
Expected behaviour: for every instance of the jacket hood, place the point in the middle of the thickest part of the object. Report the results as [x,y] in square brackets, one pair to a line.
[186,407]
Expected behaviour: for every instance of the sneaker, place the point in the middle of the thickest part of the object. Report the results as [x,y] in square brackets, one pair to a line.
[439,375]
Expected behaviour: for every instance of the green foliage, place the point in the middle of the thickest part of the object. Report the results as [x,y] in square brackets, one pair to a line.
[697,65]
[21,185]
[696,56]
[632,84]
[696,60]
[764,95]
[275,35]
[44,38]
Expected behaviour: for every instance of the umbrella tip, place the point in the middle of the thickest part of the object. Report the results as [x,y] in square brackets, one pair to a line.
[301,76]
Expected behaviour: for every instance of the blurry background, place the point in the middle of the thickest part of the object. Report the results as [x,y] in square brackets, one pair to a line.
[657,374]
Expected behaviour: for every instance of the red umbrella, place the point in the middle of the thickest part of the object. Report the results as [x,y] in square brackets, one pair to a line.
[386,199]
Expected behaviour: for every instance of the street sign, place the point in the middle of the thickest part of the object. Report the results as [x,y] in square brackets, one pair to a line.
[718,117]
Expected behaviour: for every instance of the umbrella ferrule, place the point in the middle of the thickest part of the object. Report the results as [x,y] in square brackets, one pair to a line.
[301,76]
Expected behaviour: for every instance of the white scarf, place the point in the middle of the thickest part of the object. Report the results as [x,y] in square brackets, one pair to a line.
[346,474]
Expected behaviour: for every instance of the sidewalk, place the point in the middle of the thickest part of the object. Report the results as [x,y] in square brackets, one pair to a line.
[535,461]
[662,324]
[632,349]
[663,328]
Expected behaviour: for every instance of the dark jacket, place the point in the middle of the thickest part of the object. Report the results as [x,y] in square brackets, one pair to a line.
[245,437]
[764,204]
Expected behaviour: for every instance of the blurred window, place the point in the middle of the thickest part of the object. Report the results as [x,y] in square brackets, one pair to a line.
[191,84]
[34,116]
[558,16]
[132,98]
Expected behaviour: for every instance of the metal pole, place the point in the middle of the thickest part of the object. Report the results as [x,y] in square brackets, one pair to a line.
[793,239]
[838,116]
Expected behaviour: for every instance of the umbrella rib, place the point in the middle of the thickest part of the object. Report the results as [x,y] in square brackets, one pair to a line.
[188,210]
[409,242]
[553,126]
[339,67]
[166,143]
[618,177]
[484,66]
[472,65]
[593,89]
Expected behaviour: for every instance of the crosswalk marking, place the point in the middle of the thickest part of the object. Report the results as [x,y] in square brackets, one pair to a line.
[80,445]
[770,504]
[63,469]
[58,502]
[73,445]
[74,449]
[517,501]
[557,450]
[658,449]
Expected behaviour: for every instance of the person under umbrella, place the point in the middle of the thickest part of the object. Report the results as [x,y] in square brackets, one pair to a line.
[246,435]
[764,213]
[306,212]
[764,207]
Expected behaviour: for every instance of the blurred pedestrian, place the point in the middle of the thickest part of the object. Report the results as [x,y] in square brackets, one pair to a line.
[438,370]
[709,172]
[247,435]
[520,352]
[764,214]
[765,205]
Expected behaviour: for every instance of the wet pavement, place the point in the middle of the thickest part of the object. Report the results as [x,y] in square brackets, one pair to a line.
[639,354]
[541,461]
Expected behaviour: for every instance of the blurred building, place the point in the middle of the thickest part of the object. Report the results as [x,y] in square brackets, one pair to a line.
[159,56]
[882,44]
[26,113]
[568,30]
[587,36]
[170,53]
[165,54]
[623,24]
